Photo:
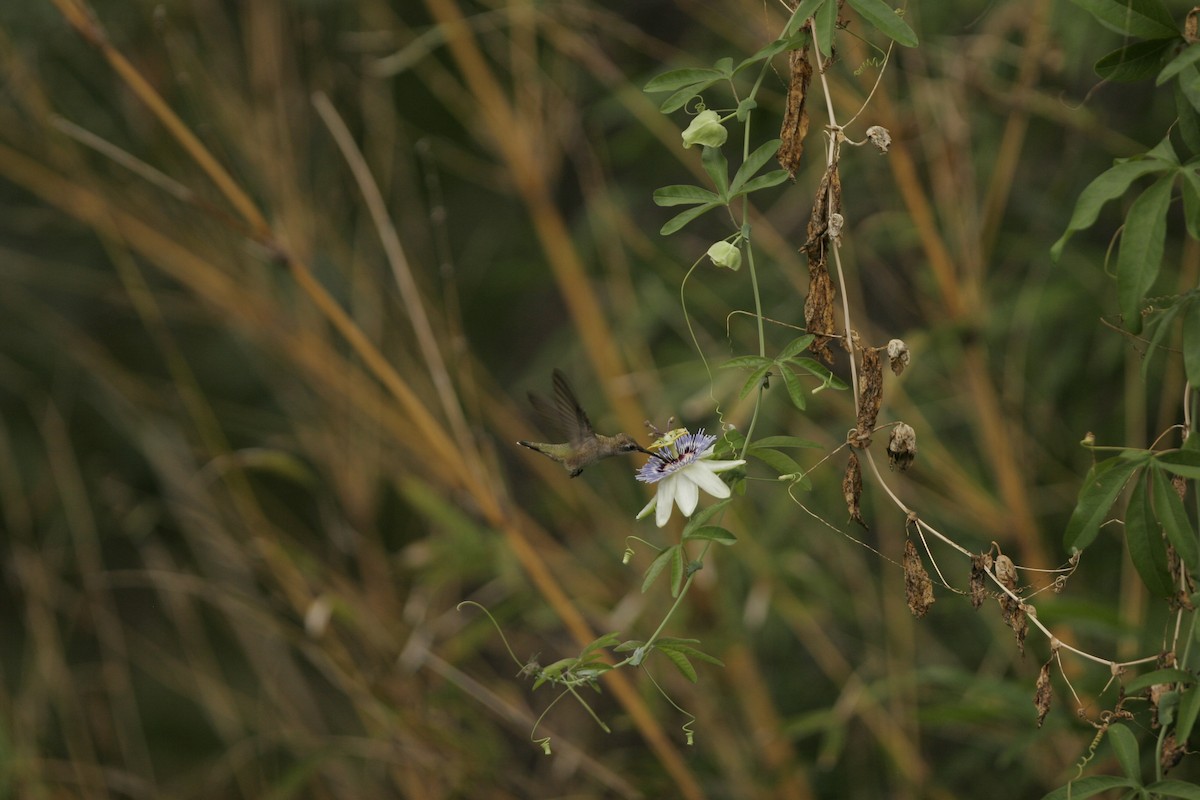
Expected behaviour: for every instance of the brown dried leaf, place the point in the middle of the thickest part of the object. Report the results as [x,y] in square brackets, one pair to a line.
[818,309]
[1191,26]
[1044,693]
[870,396]
[1014,617]
[852,488]
[826,202]
[1172,752]
[1006,571]
[1180,484]
[918,589]
[979,566]
[795,116]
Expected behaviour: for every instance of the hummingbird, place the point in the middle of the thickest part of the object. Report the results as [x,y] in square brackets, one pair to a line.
[583,446]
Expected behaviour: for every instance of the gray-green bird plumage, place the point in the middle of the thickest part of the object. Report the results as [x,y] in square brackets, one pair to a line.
[583,446]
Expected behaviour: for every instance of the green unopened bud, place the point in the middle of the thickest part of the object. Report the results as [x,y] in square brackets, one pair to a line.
[724,254]
[706,129]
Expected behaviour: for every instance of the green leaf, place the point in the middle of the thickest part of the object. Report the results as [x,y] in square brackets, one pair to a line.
[1101,487]
[711,533]
[1174,788]
[1140,256]
[756,379]
[1089,787]
[765,181]
[786,442]
[790,42]
[753,163]
[676,571]
[1108,185]
[701,517]
[1169,510]
[681,78]
[1188,57]
[826,21]
[680,661]
[607,640]
[717,168]
[1145,18]
[1162,324]
[803,11]
[1189,707]
[679,220]
[1191,201]
[1147,550]
[1124,745]
[780,462]
[1142,682]
[683,194]
[821,371]
[1189,85]
[796,346]
[795,388]
[658,565]
[680,98]
[683,646]
[885,18]
[1133,62]
[1181,462]
[741,362]
[1191,343]
[1189,119]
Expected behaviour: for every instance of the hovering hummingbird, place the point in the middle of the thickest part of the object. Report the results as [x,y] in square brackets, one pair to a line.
[583,446]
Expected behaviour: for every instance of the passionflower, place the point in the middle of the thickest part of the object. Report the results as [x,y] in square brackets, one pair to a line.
[681,469]
[705,129]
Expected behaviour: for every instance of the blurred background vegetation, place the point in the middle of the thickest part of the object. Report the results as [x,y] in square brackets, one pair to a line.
[275,277]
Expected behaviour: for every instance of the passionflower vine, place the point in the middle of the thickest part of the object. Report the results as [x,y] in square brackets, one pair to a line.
[681,468]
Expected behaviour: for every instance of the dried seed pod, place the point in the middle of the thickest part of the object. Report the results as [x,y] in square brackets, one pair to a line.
[918,589]
[870,396]
[898,356]
[1006,571]
[1014,617]
[795,115]
[902,446]
[818,308]
[1045,692]
[1180,485]
[979,567]
[879,137]
[1172,752]
[852,488]
[834,230]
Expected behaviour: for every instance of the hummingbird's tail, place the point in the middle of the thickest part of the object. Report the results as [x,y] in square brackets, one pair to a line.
[532,446]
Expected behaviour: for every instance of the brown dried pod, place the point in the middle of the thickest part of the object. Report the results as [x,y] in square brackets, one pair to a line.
[818,309]
[795,115]
[1172,753]
[1191,26]
[918,589]
[979,568]
[1045,692]
[1006,571]
[1180,484]
[852,488]
[902,446]
[898,355]
[880,137]
[870,396]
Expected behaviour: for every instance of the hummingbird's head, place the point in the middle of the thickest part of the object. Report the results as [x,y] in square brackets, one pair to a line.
[627,444]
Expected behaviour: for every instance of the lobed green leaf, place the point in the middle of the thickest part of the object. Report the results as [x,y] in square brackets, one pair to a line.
[765,181]
[681,78]
[1100,489]
[753,163]
[1147,550]
[711,533]
[1133,62]
[1090,786]
[802,14]
[780,462]
[825,18]
[1185,719]
[658,565]
[683,194]
[1174,788]
[1139,258]
[1191,343]
[795,388]
[786,441]
[1108,185]
[1184,462]
[1125,747]
[1146,18]
[1145,681]
[714,163]
[1189,56]
[680,661]
[885,18]
[678,221]
[1169,510]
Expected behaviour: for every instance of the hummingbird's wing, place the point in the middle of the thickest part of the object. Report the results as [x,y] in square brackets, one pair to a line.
[576,424]
[564,415]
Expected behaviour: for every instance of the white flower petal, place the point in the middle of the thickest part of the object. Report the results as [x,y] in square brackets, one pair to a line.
[702,475]
[686,493]
[649,507]
[720,466]
[666,499]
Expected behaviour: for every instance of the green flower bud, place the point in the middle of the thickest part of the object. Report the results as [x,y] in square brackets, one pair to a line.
[724,254]
[706,129]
